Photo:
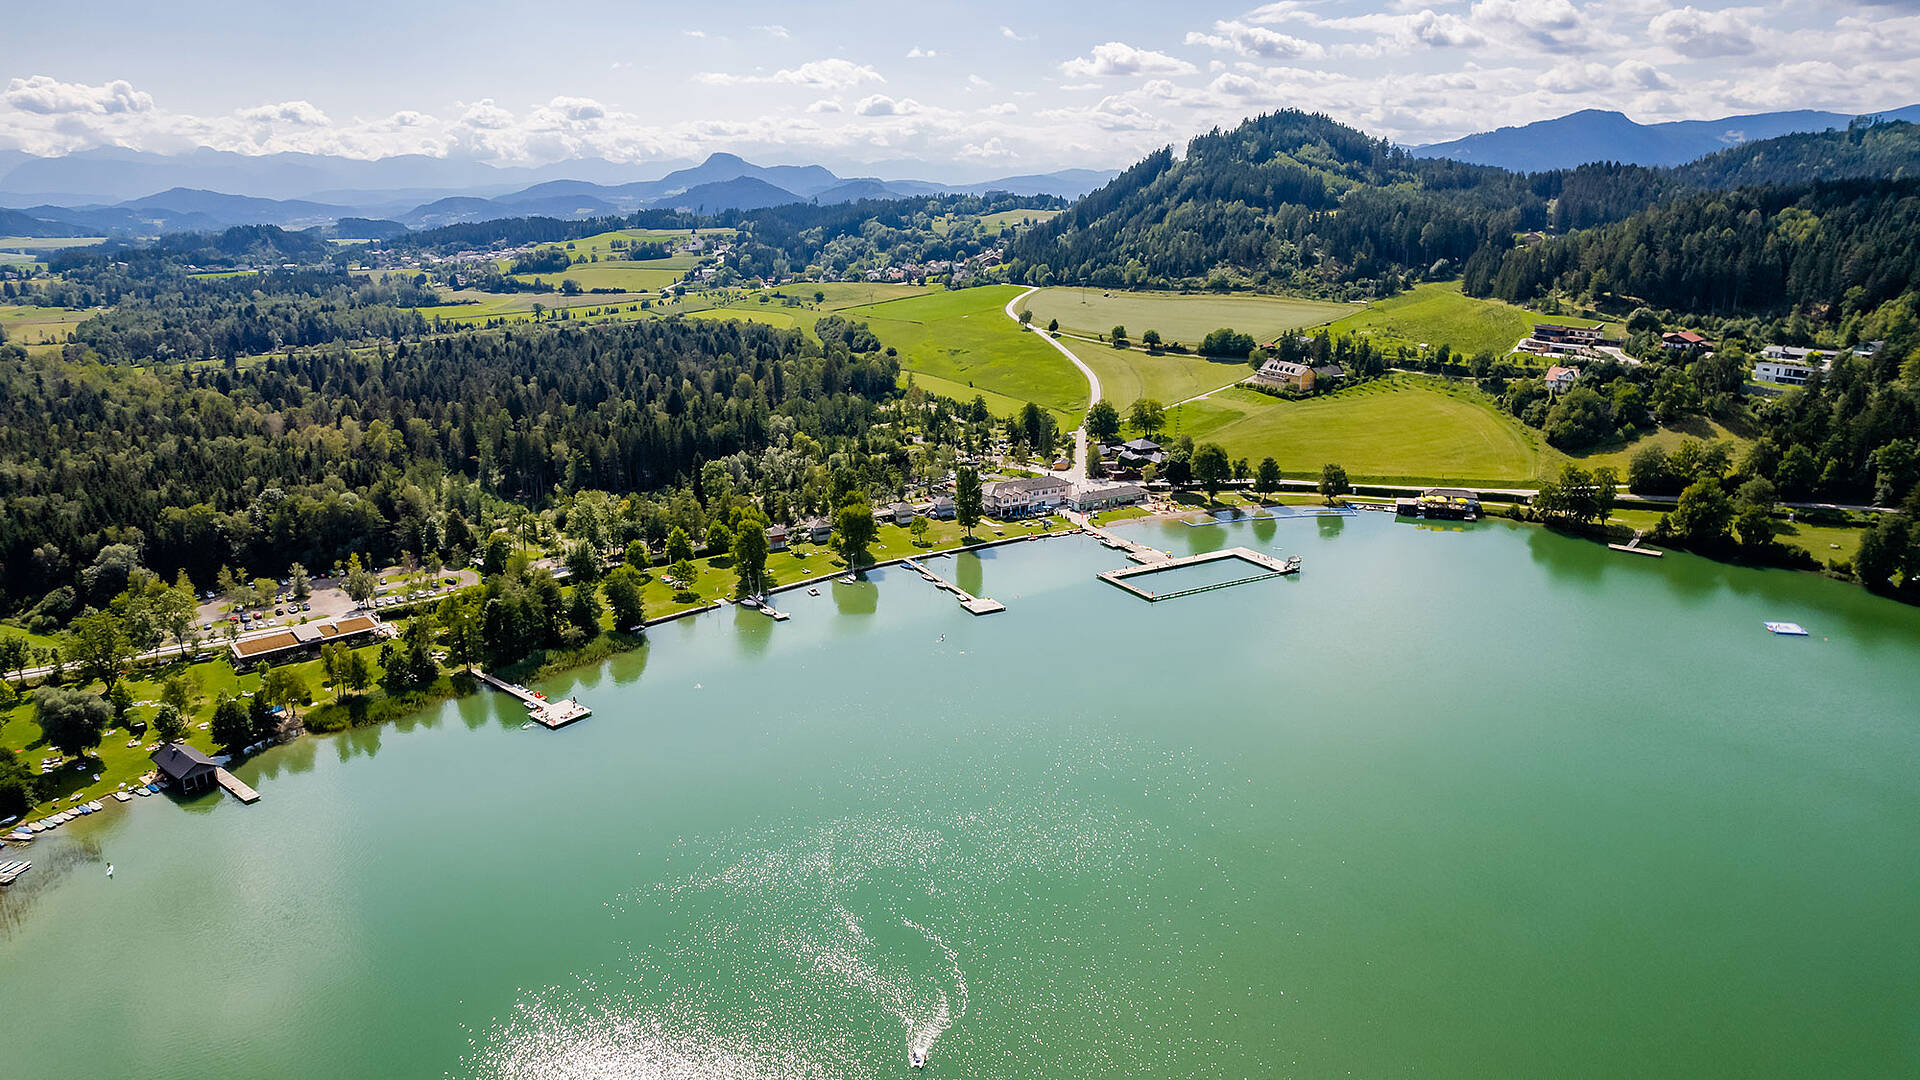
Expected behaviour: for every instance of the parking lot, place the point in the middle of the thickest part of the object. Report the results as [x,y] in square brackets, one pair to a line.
[328,599]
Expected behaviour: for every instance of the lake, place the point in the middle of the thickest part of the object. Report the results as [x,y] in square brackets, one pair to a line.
[1454,802]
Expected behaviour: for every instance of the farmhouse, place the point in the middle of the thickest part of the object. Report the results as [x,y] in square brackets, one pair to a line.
[1020,498]
[188,768]
[1561,379]
[1286,373]
[285,644]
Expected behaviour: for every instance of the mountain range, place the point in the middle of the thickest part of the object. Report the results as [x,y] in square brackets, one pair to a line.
[722,182]
[1594,135]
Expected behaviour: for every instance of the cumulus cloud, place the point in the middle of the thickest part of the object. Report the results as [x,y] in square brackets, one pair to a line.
[833,74]
[1256,41]
[825,105]
[1704,33]
[49,96]
[918,53]
[296,113]
[1008,33]
[1118,58]
[882,105]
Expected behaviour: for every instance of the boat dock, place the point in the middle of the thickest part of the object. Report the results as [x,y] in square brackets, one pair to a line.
[976,605]
[1135,550]
[1632,547]
[551,714]
[235,786]
[1270,567]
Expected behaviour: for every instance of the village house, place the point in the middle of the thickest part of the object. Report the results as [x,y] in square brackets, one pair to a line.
[191,771]
[1552,339]
[902,513]
[819,529]
[1020,498]
[943,508]
[1286,373]
[1561,379]
[1685,341]
[776,537]
[1136,454]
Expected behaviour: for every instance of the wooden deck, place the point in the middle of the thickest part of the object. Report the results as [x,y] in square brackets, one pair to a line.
[975,605]
[1270,567]
[235,787]
[550,714]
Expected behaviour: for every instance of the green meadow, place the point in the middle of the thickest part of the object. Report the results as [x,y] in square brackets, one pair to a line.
[1127,375]
[1438,313]
[48,243]
[1182,317]
[1407,428]
[965,338]
[39,326]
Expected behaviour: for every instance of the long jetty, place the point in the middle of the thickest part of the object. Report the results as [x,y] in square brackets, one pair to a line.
[977,605]
[552,714]
[236,786]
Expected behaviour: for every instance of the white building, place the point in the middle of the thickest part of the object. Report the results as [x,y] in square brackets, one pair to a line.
[1020,498]
[1789,365]
[1561,379]
[1095,495]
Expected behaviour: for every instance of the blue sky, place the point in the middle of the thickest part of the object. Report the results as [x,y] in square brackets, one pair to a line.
[976,89]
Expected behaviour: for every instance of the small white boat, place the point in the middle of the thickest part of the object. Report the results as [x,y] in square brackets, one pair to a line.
[748,601]
[917,1058]
[813,592]
[1788,629]
[845,579]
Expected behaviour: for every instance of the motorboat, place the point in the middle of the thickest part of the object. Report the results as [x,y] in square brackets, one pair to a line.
[845,579]
[813,592]
[917,1058]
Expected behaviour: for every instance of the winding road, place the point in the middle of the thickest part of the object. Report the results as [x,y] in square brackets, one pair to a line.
[1078,472]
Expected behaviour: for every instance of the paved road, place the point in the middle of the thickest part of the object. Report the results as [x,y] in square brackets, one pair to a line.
[1079,471]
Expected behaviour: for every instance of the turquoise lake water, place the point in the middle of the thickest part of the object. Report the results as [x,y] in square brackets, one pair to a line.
[1454,802]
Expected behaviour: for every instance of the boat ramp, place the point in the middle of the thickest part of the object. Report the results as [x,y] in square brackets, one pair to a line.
[550,714]
[976,605]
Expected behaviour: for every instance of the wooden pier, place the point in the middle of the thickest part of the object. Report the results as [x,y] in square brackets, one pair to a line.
[235,786]
[976,605]
[1137,551]
[1270,567]
[550,714]
[1632,547]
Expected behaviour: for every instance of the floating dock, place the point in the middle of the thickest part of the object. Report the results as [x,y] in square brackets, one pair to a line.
[975,605]
[550,714]
[1270,568]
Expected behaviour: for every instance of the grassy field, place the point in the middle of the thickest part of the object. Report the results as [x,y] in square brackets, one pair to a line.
[601,244]
[1015,218]
[471,306]
[633,277]
[1437,314]
[1404,428]
[1127,375]
[1669,438]
[1183,317]
[39,325]
[47,243]
[965,338]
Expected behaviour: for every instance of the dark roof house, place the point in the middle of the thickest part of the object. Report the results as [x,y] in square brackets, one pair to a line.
[192,770]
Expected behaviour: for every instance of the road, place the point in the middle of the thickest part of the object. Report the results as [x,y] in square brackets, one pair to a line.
[1078,473]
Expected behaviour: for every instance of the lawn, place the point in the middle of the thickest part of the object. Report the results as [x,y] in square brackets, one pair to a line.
[115,761]
[1403,428]
[1437,313]
[1668,438]
[965,338]
[1183,317]
[1127,375]
[649,276]
[39,325]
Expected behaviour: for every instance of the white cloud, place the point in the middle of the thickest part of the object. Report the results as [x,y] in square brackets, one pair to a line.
[1008,33]
[1257,41]
[833,74]
[296,113]
[48,96]
[485,115]
[1704,33]
[694,33]
[882,105]
[918,53]
[1119,58]
[771,30]
[1552,25]
[825,105]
